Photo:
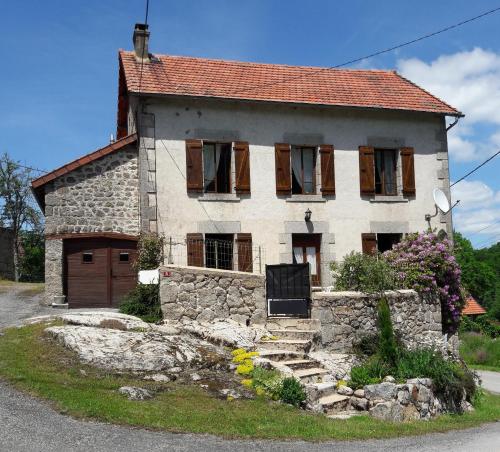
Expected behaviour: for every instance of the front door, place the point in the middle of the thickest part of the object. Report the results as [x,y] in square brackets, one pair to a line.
[99,271]
[306,249]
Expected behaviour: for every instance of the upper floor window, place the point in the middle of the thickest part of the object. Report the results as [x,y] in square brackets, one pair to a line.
[385,172]
[216,167]
[303,170]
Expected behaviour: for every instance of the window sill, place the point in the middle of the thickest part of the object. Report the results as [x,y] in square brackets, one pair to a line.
[381,198]
[220,197]
[306,198]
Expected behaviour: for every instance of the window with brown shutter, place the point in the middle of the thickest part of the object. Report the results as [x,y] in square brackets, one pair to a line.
[327,169]
[408,170]
[283,173]
[194,244]
[366,170]
[369,243]
[194,166]
[245,259]
[242,167]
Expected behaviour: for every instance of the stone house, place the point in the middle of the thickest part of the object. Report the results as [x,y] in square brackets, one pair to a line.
[244,164]
[6,253]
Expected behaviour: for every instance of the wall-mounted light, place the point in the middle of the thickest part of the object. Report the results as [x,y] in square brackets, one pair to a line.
[307,216]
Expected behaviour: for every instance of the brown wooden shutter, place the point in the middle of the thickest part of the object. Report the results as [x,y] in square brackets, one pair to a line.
[194,244]
[245,259]
[194,166]
[327,169]
[369,243]
[283,172]
[408,170]
[242,167]
[367,170]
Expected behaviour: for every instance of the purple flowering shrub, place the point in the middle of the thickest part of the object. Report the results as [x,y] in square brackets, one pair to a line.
[426,264]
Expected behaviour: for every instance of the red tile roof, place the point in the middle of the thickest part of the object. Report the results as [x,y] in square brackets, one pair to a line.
[201,77]
[472,307]
[38,184]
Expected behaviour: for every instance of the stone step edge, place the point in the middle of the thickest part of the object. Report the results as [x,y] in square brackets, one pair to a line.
[303,373]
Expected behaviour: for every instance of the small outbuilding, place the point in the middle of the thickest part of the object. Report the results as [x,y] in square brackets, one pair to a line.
[472,308]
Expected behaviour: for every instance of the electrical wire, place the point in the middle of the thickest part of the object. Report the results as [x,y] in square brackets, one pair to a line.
[484,229]
[19,165]
[475,169]
[377,53]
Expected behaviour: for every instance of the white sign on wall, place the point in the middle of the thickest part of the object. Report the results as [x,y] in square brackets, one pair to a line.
[149,276]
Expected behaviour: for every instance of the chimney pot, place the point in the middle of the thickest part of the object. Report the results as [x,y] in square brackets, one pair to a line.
[141,42]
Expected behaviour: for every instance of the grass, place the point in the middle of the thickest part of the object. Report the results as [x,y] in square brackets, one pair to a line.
[24,289]
[33,363]
[480,351]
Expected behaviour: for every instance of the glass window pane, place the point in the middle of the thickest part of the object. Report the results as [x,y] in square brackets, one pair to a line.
[390,172]
[298,256]
[223,162]
[296,171]
[379,164]
[311,258]
[308,165]
[209,167]
[87,257]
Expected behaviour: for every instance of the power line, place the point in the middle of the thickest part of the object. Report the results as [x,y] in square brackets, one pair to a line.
[489,242]
[475,169]
[380,52]
[483,229]
[19,165]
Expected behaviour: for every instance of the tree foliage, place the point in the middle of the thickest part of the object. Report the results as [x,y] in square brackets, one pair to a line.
[17,208]
[480,273]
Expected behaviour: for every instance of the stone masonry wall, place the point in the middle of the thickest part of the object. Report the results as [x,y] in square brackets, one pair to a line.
[6,254]
[348,316]
[100,196]
[204,294]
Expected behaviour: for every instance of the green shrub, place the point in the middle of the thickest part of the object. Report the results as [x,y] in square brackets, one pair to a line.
[371,372]
[364,273]
[478,349]
[291,392]
[482,324]
[367,345]
[149,251]
[387,348]
[143,302]
[268,381]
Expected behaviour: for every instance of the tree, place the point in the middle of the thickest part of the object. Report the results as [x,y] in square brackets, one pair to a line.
[17,208]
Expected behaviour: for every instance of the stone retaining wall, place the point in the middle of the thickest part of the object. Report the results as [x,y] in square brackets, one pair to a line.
[203,294]
[348,316]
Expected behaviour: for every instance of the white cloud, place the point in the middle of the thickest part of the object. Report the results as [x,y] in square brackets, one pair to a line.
[479,208]
[469,81]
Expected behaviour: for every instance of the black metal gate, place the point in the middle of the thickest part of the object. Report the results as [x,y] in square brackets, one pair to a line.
[288,290]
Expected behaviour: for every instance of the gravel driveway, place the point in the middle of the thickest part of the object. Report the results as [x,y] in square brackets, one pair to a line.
[28,424]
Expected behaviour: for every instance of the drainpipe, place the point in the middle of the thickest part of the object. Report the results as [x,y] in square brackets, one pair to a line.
[453,124]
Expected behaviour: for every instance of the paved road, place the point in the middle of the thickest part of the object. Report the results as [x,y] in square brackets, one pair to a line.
[15,305]
[491,382]
[30,425]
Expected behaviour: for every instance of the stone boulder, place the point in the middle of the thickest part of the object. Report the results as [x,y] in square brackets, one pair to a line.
[136,351]
[134,393]
[383,391]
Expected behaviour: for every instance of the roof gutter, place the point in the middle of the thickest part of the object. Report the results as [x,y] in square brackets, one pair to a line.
[454,123]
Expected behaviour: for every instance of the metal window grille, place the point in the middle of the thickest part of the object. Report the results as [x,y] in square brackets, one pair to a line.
[215,253]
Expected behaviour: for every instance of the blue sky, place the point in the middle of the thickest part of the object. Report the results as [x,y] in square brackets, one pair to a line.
[58,85]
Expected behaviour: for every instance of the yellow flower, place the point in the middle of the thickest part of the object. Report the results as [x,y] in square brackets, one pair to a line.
[247,382]
[244,356]
[260,391]
[230,398]
[238,351]
[245,368]
[341,383]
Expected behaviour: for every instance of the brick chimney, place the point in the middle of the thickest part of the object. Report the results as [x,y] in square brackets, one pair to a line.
[141,42]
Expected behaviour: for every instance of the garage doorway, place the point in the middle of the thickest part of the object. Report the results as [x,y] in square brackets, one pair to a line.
[99,271]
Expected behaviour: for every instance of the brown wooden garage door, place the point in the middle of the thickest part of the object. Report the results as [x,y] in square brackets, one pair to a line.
[99,271]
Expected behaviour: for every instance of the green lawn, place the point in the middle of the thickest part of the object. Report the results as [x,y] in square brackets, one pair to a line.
[33,363]
[480,351]
[23,289]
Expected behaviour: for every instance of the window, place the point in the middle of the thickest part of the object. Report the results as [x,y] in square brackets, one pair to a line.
[303,170]
[219,251]
[385,242]
[217,167]
[88,257]
[124,257]
[385,172]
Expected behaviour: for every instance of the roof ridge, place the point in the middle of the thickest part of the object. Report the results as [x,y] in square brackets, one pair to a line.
[257,63]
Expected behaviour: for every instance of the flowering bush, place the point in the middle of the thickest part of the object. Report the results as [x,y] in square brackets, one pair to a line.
[425,263]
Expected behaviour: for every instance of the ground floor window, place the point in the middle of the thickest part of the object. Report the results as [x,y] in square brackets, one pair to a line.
[306,248]
[385,242]
[219,251]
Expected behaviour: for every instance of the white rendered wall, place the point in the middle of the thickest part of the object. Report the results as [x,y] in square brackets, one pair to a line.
[265,215]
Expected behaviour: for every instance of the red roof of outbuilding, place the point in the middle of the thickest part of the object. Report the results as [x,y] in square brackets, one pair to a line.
[201,77]
[472,307]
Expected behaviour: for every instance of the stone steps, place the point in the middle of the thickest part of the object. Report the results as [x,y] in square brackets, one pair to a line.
[315,391]
[292,323]
[300,363]
[333,403]
[281,355]
[295,345]
[294,334]
[311,375]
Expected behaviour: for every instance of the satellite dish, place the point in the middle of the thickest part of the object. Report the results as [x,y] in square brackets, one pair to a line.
[441,200]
